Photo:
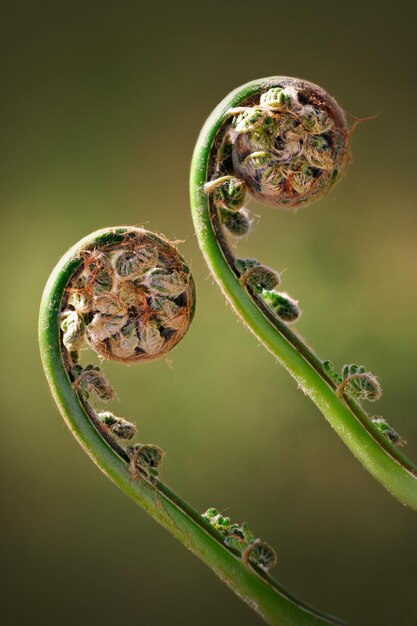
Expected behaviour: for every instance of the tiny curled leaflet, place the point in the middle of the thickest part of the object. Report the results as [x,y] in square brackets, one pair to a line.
[240,538]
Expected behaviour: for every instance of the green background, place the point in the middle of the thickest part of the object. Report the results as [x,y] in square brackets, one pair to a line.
[101,106]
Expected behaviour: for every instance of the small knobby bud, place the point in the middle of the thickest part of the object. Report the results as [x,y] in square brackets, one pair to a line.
[282,305]
[242,539]
[239,537]
[261,278]
[132,264]
[221,523]
[261,554]
[150,339]
[278,98]
[81,301]
[76,370]
[243,265]
[74,356]
[210,513]
[170,314]
[382,425]
[117,425]
[314,120]
[123,345]
[145,457]
[218,521]
[109,304]
[273,178]
[228,192]
[103,327]
[359,384]
[331,372]
[318,153]
[99,276]
[91,379]
[257,160]
[301,179]
[238,223]
[249,119]
[73,329]
[171,284]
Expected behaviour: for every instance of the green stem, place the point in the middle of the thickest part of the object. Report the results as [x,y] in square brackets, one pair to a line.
[391,468]
[252,584]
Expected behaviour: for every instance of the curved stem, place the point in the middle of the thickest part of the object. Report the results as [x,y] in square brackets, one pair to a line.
[389,466]
[252,584]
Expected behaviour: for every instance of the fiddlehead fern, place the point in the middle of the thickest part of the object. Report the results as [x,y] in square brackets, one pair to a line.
[286,142]
[127,294]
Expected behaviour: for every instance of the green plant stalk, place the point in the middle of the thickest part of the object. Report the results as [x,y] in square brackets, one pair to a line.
[384,462]
[253,585]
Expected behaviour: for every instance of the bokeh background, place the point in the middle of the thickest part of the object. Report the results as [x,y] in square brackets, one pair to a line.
[101,106]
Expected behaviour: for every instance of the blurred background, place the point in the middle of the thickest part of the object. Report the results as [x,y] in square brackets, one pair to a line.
[101,106]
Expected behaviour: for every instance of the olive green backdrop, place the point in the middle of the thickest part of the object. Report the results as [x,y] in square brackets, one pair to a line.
[102,103]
